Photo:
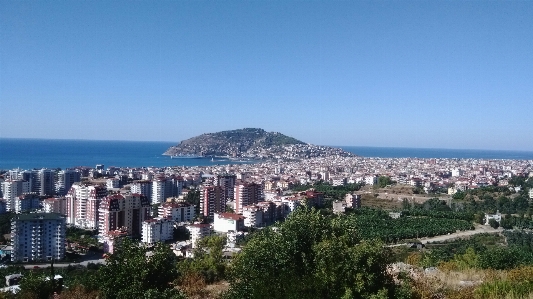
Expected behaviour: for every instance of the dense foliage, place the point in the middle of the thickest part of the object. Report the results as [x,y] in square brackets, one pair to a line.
[311,256]
[330,192]
[376,224]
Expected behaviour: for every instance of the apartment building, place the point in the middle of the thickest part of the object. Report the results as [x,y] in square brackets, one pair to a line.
[65,180]
[179,212]
[55,205]
[126,211]
[38,237]
[253,216]
[199,231]
[161,189]
[83,203]
[12,189]
[213,201]
[157,230]
[246,194]
[142,187]
[26,202]
[227,182]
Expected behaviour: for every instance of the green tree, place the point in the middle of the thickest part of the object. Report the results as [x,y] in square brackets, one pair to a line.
[311,256]
[208,260]
[383,181]
[493,223]
[131,273]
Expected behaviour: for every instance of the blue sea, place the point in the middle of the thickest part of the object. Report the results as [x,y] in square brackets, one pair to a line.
[39,153]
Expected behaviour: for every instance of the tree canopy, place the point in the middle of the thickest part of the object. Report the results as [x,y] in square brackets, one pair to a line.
[311,256]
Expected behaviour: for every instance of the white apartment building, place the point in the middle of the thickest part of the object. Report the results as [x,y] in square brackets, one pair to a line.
[55,205]
[199,231]
[142,187]
[38,237]
[157,230]
[65,179]
[26,203]
[225,222]
[12,189]
[123,211]
[338,181]
[253,216]
[292,203]
[83,202]
[161,189]
[179,212]
[457,172]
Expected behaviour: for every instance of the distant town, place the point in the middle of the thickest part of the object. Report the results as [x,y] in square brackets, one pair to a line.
[182,205]
[151,202]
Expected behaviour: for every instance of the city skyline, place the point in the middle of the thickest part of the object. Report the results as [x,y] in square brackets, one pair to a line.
[388,74]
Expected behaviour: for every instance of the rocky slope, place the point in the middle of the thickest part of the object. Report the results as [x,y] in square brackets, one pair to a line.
[250,143]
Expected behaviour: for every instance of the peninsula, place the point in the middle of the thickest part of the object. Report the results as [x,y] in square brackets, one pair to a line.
[252,143]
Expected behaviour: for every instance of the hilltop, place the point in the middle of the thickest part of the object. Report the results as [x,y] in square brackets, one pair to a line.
[251,143]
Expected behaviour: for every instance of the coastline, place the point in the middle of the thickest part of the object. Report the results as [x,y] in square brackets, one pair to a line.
[54,153]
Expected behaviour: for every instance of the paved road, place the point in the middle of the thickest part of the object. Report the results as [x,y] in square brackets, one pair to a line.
[95,259]
[480,229]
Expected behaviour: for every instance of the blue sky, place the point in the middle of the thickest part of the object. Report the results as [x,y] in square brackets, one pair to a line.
[436,74]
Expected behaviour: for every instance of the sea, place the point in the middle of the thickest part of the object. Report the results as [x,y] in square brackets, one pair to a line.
[55,153]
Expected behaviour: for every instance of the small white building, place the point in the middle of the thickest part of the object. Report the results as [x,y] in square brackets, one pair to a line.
[225,222]
[199,231]
[371,180]
[531,193]
[497,217]
[157,230]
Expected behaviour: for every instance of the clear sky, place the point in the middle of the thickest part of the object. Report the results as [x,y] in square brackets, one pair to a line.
[437,74]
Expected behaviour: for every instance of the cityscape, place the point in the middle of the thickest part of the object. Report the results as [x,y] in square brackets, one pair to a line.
[266,149]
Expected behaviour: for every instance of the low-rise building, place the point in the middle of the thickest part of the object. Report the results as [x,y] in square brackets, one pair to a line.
[339,206]
[112,239]
[225,222]
[497,217]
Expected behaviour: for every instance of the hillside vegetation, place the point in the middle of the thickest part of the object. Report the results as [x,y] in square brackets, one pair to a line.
[231,142]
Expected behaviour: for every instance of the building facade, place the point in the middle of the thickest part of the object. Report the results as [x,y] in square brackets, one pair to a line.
[123,211]
[38,237]
[157,230]
[246,194]
[179,212]
[213,201]
[199,231]
[83,203]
